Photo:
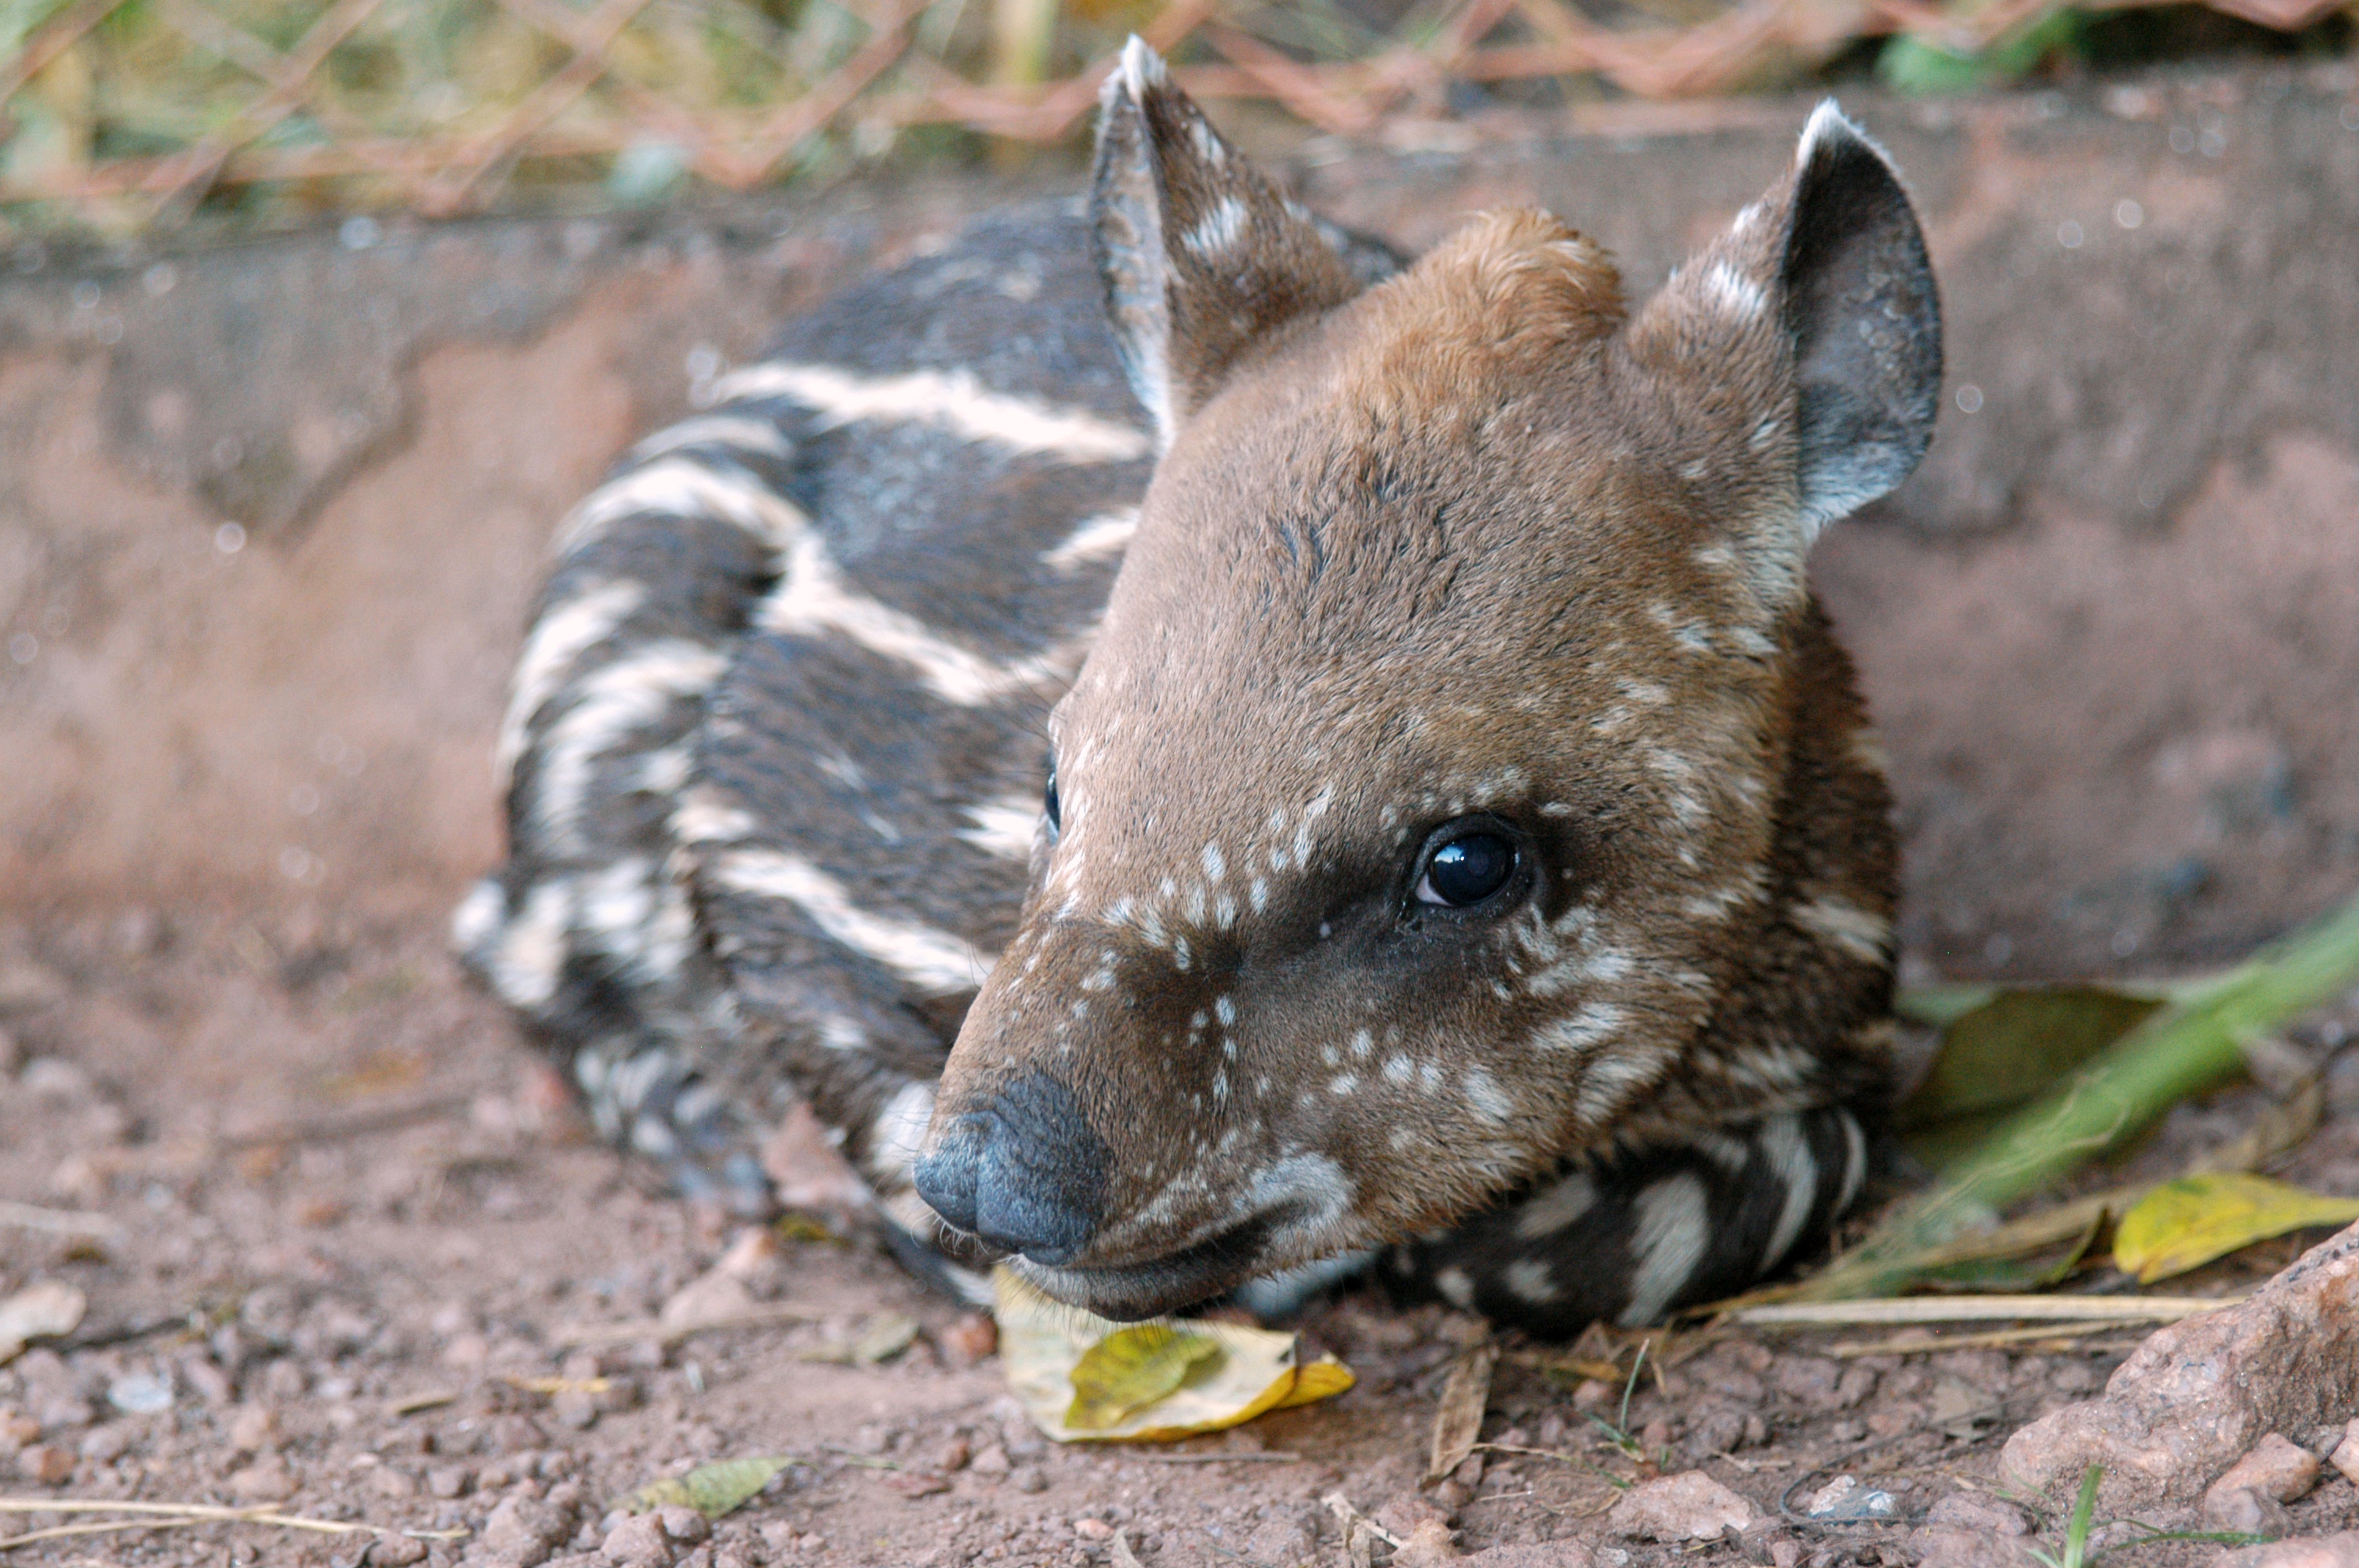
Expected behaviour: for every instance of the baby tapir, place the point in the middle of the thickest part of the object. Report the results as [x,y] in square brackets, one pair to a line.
[1208,753]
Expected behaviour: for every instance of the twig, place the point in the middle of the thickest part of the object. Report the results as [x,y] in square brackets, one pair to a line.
[2041,1337]
[590,1336]
[1273,1457]
[1980,1309]
[177,1516]
[56,1221]
[335,1129]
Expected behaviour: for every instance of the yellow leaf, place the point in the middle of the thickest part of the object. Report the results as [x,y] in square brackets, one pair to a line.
[1130,1369]
[1043,1344]
[2185,1224]
[711,1489]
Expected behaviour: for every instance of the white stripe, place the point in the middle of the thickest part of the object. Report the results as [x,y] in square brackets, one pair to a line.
[1865,937]
[478,916]
[901,1133]
[681,487]
[1096,539]
[814,598]
[1789,1153]
[562,635]
[524,965]
[953,400]
[1673,1229]
[719,430]
[934,961]
[1854,1161]
[628,695]
[1003,828]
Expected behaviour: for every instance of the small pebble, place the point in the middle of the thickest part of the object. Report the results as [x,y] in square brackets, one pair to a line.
[992,1461]
[267,1482]
[45,1463]
[639,1542]
[1029,1479]
[253,1429]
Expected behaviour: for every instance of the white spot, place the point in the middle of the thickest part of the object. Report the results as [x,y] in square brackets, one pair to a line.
[932,960]
[706,818]
[1483,1092]
[1455,1288]
[1672,1231]
[1865,937]
[1399,1069]
[1584,1031]
[478,916]
[1854,1161]
[1218,229]
[1733,293]
[814,598]
[1225,1011]
[1557,1207]
[1215,865]
[1342,1084]
[951,400]
[524,967]
[1529,1279]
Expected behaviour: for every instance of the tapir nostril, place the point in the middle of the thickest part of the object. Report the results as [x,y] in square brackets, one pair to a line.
[1026,1172]
[945,1179]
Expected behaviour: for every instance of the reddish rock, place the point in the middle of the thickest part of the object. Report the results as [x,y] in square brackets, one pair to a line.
[2201,1392]
[2346,1456]
[2309,1551]
[45,1463]
[2275,1467]
[1690,1506]
[1426,1546]
[266,1482]
[639,1542]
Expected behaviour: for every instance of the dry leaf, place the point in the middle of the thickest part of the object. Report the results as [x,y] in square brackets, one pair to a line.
[552,1387]
[711,1489]
[1042,1342]
[2185,1224]
[38,1312]
[715,1297]
[1464,1398]
[886,1337]
[1132,1368]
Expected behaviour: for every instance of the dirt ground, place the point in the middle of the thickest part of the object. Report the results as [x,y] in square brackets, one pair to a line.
[350,1214]
[2110,635]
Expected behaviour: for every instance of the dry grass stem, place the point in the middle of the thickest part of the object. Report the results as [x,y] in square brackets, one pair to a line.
[1979,1309]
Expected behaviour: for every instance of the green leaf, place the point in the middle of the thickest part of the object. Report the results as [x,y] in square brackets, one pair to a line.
[2006,1051]
[1132,1368]
[2186,1223]
[711,1489]
[1911,64]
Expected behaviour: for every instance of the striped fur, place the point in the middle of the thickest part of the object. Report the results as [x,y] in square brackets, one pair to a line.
[775,758]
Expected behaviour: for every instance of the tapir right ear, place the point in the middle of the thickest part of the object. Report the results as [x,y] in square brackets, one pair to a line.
[1198,251]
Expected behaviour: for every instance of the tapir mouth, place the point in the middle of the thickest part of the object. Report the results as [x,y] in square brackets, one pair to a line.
[1151,1288]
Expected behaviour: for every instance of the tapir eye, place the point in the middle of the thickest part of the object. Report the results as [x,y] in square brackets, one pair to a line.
[1468,865]
[1049,806]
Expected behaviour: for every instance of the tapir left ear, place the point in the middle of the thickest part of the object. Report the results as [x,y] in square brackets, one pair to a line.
[1819,307]
[1198,251]
[1866,320]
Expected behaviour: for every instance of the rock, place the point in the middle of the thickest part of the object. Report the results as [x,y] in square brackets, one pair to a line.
[2247,1511]
[1809,1380]
[810,1174]
[45,1463]
[1844,1499]
[263,1482]
[1029,1479]
[576,1409]
[1552,1554]
[448,1481]
[105,1445]
[1690,1506]
[2280,1469]
[2202,1391]
[2309,1551]
[972,1339]
[992,1461]
[639,1542]
[1964,1546]
[395,1551]
[683,1524]
[523,1531]
[1426,1546]
[1285,1540]
[2346,1456]
[1972,1510]
[253,1429]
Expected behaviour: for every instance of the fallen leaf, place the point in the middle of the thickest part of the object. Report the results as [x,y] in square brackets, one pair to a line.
[1464,1398]
[41,1311]
[2185,1224]
[1132,1368]
[715,1297]
[2001,1052]
[886,1337]
[1042,1342]
[711,1489]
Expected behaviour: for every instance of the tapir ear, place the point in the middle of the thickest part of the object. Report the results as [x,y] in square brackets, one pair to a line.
[1859,300]
[1198,251]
